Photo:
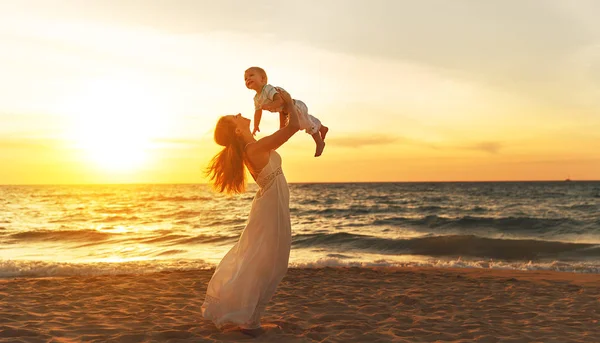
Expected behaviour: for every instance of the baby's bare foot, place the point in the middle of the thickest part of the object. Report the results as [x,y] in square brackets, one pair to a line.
[320,147]
[323,131]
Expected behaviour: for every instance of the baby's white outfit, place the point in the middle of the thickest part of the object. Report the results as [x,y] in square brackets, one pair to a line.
[308,123]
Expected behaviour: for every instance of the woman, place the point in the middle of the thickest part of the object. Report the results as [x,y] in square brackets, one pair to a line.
[247,277]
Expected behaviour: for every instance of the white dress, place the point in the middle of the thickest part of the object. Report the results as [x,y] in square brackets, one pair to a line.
[247,277]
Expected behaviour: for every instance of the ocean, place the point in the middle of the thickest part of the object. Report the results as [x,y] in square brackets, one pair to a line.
[114,229]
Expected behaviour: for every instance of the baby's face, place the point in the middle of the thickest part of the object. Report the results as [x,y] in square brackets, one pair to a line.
[254,80]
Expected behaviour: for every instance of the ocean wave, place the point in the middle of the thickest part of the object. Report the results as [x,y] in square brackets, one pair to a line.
[177,198]
[227,222]
[74,195]
[160,239]
[450,245]
[203,239]
[350,211]
[116,218]
[584,207]
[510,223]
[167,240]
[505,224]
[17,268]
[170,252]
[575,267]
[180,215]
[308,202]
[380,197]
[73,217]
[122,209]
[340,256]
[60,235]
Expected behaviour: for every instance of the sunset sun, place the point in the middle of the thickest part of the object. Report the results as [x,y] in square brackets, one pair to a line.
[114,122]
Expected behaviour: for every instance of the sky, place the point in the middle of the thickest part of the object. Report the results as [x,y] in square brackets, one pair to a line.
[129,91]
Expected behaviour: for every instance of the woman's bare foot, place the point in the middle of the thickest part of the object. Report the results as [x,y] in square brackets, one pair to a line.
[323,131]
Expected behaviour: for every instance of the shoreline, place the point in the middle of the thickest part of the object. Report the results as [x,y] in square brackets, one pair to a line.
[335,304]
[576,277]
[24,269]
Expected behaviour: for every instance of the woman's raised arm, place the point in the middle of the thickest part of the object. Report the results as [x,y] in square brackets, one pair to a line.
[282,135]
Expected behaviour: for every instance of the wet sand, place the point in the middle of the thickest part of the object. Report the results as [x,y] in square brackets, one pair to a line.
[312,305]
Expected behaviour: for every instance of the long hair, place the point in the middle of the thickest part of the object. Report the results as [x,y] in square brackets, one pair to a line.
[226,170]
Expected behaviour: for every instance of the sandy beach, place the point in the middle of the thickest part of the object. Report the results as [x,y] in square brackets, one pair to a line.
[312,305]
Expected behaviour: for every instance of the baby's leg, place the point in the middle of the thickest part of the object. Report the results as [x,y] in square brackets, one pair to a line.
[311,125]
[323,131]
[319,127]
[319,142]
[318,133]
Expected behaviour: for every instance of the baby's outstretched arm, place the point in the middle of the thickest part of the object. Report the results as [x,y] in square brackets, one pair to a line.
[257,117]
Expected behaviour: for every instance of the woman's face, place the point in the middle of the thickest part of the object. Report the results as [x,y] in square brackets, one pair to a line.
[240,122]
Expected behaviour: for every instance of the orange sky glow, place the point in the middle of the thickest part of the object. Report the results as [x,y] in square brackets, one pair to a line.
[129,92]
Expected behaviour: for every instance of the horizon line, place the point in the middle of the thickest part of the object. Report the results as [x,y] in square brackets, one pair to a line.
[292,183]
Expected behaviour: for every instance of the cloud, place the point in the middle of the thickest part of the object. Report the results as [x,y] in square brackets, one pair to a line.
[489,147]
[533,50]
[524,48]
[361,140]
[565,162]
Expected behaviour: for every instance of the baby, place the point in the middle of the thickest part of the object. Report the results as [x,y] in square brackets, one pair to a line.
[268,99]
